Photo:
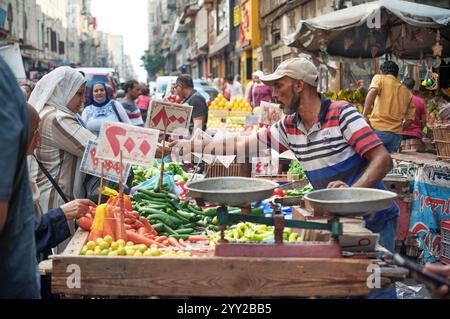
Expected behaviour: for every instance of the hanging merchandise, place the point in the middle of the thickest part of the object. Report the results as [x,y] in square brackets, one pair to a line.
[431,80]
[437,50]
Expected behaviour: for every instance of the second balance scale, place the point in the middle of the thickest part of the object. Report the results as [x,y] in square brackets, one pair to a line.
[241,192]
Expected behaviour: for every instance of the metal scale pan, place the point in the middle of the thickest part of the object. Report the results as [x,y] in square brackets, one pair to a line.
[350,202]
[233,191]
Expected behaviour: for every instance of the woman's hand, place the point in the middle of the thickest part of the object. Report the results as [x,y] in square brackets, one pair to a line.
[77,208]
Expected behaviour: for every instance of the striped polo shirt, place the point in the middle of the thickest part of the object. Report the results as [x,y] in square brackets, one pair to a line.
[332,149]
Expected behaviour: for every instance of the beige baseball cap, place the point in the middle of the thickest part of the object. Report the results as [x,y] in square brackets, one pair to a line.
[296,68]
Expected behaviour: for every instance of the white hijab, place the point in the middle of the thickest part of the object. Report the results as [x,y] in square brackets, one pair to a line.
[57,89]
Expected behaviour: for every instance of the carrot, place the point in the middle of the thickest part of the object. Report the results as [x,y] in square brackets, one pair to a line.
[137,224]
[182,243]
[148,227]
[139,239]
[161,239]
[174,242]
[142,231]
[128,227]
[129,221]
[166,242]
[195,239]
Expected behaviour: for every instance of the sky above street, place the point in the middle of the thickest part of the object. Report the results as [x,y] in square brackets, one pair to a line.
[127,18]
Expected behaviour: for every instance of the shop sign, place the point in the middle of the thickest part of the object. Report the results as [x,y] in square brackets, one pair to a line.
[246,23]
[137,145]
[237,16]
[91,164]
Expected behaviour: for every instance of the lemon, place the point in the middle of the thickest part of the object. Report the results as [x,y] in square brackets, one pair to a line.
[130,244]
[115,246]
[121,251]
[105,252]
[121,242]
[138,254]
[98,241]
[112,253]
[108,239]
[91,245]
[130,252]
[103,245]
[90,253]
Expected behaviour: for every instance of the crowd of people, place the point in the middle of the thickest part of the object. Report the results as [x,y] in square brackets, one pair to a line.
[46,128]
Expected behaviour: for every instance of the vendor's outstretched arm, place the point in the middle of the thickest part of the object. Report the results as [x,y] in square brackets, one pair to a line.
[380,163]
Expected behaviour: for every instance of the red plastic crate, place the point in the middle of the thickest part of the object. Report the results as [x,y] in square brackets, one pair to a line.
[445,242]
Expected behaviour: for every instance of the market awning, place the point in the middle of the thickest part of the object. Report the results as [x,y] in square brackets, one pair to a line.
[406,29]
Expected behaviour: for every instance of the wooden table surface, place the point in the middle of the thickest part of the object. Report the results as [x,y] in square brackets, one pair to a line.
[74,275]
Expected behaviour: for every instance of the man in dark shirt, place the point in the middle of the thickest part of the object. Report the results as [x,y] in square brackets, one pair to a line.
[185,90]
[18,265]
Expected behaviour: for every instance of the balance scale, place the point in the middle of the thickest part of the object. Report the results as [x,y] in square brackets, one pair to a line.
[238,191]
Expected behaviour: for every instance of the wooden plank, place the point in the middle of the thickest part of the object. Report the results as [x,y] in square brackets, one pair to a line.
[76,243]
[213,276]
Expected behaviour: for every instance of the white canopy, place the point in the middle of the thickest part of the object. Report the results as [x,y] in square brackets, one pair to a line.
[404,28]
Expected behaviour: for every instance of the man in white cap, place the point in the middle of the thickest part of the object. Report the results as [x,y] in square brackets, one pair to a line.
[330,139]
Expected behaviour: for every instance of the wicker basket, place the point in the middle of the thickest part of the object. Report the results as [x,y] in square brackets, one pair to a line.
[235,169]
[412,145]
[441,137]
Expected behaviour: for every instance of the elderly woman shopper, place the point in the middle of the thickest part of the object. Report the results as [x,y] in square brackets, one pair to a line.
[58,97]
[259,91]
[103,108]
[51,227]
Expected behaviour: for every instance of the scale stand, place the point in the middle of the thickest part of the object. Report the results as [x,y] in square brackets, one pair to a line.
[330,249]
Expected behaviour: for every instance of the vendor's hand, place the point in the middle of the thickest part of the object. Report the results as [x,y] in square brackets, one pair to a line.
[77,208]
[444,271]
[183,146]
[337,184]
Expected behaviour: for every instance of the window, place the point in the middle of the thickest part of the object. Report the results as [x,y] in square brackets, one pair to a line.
[276,62]
[53,41]
[276,36]
[222,16]
[61,47]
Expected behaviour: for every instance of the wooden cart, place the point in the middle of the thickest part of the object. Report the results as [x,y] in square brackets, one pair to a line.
[75,276]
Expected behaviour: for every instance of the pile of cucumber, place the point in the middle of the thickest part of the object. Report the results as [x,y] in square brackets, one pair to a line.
[171,217]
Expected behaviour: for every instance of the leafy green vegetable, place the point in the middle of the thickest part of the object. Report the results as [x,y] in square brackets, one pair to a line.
[300,192]
[296,169]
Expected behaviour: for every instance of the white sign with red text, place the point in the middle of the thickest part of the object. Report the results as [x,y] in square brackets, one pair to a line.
[91,164]
[173,117]
[265,166]
[138,145]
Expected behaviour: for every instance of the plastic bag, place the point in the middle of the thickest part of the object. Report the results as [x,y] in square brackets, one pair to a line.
[167,179]
[411,292]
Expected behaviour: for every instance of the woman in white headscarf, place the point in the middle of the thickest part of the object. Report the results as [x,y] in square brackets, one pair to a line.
[59,98]
[258,91]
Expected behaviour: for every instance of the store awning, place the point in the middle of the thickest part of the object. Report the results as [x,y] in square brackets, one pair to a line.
[406,29]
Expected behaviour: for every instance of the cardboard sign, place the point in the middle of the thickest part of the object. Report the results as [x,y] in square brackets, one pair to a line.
[265,166]
[91,164]
[175,117]
[138,145]
[270,113]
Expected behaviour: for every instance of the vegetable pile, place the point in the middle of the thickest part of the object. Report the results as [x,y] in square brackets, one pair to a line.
[300,192]
[296,169]
[250,232]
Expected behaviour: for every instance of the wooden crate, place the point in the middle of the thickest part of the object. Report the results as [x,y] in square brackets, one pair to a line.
[235,169]
[441,137]
[205,276]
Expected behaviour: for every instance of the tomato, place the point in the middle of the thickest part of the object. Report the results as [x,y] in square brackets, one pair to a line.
[279,192]
[85,223]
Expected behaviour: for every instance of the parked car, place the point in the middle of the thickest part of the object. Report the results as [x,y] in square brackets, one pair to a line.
[163,85]
[206,87]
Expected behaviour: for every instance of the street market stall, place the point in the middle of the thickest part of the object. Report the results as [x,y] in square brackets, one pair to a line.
[223,269]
